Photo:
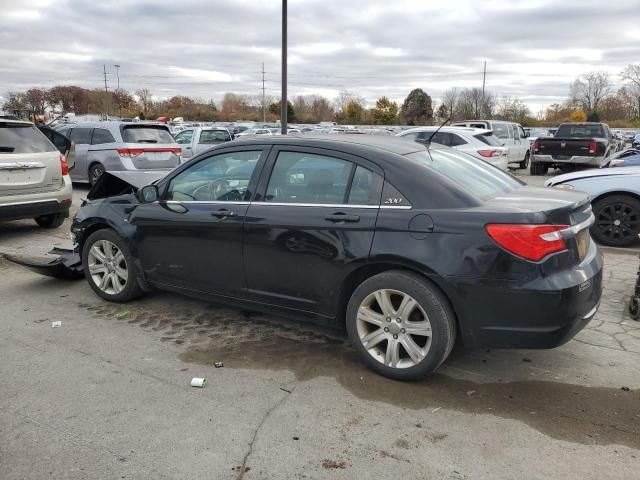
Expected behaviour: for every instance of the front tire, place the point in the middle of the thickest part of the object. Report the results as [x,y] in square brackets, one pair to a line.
[401,325]
[95,172]
[109,267]
[51,221]
[617,221]
[539,169]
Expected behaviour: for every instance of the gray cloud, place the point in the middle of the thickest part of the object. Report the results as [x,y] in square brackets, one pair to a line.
[203,48]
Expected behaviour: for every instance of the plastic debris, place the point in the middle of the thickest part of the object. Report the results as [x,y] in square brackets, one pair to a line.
[625,389]
[56,324]
[218,364]
[123,314]
[435,410]
[471,392]
[198,382]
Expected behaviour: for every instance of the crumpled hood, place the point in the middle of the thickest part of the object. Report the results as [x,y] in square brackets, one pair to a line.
[112,184]
[596,172]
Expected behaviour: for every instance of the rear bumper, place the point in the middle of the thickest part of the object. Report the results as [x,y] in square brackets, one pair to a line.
[20,211]
[534,314]
[578,160]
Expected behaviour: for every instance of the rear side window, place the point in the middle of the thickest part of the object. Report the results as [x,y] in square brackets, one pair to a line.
[489,139]
[80,135]
[300,177]
[365,187]
[16,138]
[146,134]
[470,174]
[392,197]
[214,136]
[101,135]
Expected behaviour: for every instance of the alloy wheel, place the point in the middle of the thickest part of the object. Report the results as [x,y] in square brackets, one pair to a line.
[394,328]
[618,221]
[108,267]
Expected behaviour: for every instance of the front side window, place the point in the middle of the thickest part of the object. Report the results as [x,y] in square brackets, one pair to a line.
[500,130]
[184,137]
[220,178]
[101,135]
[300,177]
[81,135]
[214,136]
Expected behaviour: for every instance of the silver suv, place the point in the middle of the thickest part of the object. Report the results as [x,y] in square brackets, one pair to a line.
[114,146]
[34,174]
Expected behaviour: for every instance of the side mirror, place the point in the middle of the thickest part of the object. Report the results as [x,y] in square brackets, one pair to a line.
[148,194]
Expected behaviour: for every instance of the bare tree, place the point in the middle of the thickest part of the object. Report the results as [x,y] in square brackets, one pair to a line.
[450,101]
[473,104]
[590,89]
[144,97]
[36,99]
[632,75]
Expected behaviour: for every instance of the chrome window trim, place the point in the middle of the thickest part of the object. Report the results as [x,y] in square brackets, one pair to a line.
[21,165]
[283,204]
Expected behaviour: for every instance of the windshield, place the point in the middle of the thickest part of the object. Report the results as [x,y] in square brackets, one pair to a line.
[23,138]
[146,134]
[474,176]
[580,131]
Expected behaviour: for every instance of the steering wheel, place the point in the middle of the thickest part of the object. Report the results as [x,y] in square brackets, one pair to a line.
[213,190]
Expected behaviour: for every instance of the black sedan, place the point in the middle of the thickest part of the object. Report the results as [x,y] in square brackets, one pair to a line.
[407,246]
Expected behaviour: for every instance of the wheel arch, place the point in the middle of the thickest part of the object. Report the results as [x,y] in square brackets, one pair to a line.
[611,193]
[375,267]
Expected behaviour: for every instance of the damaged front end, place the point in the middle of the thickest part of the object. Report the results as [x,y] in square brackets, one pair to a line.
[111,188]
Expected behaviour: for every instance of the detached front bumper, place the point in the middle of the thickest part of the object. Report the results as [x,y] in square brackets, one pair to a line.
[67,266]
[576,160]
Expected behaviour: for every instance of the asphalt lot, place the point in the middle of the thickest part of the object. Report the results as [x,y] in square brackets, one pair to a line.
[107,394]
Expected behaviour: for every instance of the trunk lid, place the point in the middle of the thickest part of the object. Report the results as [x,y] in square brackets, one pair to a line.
[26,173]
[565,148]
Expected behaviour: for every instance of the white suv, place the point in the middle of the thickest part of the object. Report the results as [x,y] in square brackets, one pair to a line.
[34,174]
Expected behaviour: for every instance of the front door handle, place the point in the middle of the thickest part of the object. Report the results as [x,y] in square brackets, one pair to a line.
[342,217]
[224,213]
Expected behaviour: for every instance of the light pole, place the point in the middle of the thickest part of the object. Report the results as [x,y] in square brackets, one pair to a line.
[118,90]
[283,100]
[118,75]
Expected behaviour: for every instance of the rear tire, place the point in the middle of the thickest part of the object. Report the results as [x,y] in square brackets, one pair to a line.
[95,172]
[538,169]
[51,221]
[617,221]
[109,267]
[401,325]
[524,164]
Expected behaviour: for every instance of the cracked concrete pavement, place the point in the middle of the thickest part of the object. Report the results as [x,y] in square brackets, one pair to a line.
[107,394]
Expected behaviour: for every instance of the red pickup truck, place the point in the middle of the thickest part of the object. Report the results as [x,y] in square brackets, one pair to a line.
[574,144]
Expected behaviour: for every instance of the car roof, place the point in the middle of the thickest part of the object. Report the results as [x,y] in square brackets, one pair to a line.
[397,145]
[15,122]
[451,129]
[110,123]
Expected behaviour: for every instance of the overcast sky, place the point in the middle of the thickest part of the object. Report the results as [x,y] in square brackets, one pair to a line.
[203,48]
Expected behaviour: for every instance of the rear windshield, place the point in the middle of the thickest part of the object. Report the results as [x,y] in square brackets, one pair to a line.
[146,134]
[580,131]
[474,176]
[489,138]
[16,138]
[214,136]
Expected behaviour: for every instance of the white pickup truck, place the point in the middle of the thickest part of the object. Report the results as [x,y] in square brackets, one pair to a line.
[196,140]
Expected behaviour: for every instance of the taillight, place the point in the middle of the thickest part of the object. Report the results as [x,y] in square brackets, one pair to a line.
[531,242]
[134,152]
[536,145]
[593,146]
[63,165]
[490,153]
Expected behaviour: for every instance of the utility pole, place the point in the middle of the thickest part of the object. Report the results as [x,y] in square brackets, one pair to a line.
[264,105]
[283,99]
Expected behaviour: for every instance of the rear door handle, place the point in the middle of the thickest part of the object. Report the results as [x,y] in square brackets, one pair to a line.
[224,213]
[342,217]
